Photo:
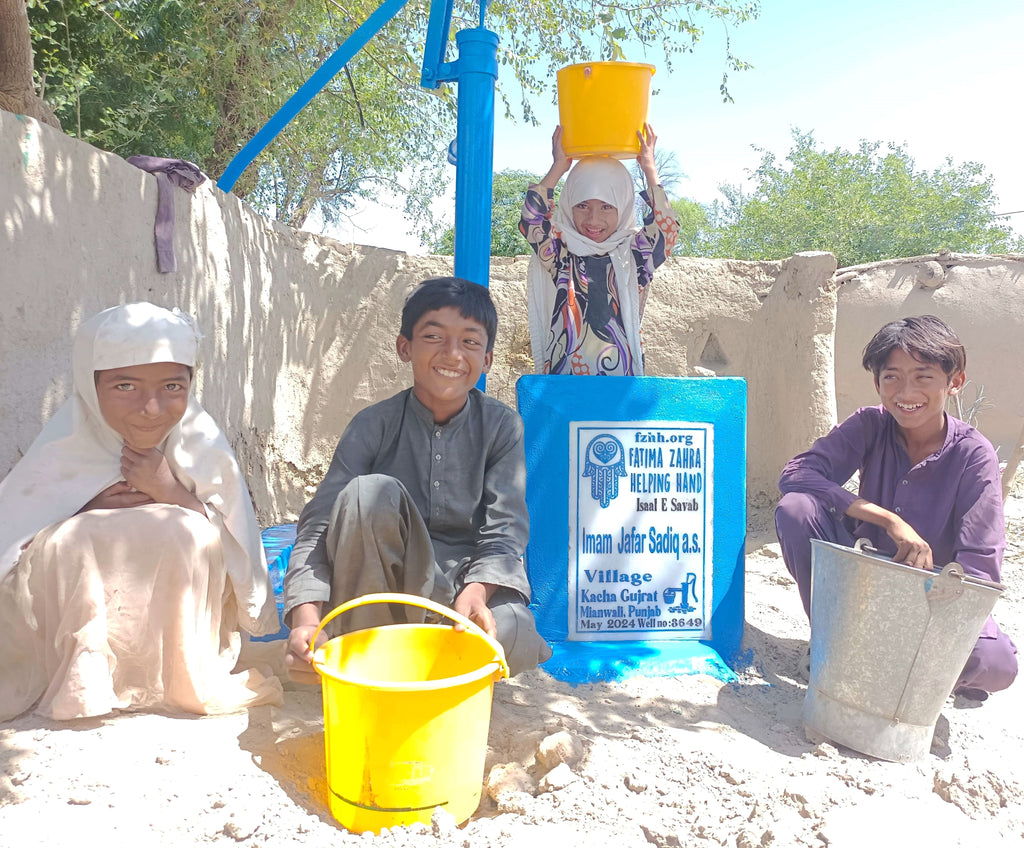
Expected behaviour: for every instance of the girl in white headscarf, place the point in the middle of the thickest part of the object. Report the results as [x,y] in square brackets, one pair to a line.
[129,552]
[591,268]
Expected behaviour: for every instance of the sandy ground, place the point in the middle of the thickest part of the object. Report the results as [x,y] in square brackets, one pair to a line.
[686,761]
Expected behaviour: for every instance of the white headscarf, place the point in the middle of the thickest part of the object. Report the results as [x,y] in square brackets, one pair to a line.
[77,454]
[607,180]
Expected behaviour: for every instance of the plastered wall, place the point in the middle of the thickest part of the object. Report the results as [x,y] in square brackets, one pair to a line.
[981,297]
[299,329]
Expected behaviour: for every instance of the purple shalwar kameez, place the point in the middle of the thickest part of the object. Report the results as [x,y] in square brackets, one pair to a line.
[952,499]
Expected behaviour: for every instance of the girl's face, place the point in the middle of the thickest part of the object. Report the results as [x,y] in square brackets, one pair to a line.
[143,402]
[595,219]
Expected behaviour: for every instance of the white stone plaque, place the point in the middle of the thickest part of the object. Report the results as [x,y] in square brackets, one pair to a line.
[640,530]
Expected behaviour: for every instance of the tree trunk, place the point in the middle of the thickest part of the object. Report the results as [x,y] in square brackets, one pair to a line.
[17,92]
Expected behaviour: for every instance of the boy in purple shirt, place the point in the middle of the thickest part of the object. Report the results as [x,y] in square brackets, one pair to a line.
[929,483]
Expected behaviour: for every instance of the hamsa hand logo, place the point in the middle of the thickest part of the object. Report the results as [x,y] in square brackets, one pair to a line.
[605,463]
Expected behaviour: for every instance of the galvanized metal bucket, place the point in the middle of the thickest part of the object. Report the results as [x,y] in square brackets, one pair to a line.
[888,642]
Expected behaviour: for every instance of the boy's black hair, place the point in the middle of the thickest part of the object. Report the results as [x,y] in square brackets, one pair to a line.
[472,301]
[924,337]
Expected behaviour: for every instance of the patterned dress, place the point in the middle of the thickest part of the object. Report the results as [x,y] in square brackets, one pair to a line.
[587,326]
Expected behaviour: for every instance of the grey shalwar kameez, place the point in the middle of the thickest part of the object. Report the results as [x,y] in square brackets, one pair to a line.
[411,506]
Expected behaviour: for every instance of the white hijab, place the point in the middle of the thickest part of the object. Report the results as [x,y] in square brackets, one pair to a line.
[77,454]
[607,180]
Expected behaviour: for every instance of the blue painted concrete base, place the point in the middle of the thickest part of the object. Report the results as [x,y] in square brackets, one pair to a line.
[551,407]
[595,662]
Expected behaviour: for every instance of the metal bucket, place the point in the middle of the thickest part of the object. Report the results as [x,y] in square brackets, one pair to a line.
[888,642]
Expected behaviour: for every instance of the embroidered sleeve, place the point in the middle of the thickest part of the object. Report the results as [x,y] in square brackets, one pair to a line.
[660,224]
[652,244]
[535,225]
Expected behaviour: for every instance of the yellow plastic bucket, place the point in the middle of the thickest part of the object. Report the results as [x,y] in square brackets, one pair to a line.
[601,106]
[407,708]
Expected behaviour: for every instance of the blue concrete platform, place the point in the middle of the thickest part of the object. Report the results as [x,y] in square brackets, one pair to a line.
[636,488]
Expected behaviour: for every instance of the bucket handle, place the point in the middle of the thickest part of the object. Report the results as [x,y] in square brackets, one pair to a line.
[424,603]
[952,569]
[863,546]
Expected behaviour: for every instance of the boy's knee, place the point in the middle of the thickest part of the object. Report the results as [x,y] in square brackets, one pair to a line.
[373,498]
[517,632]
[992,665]
[796,510]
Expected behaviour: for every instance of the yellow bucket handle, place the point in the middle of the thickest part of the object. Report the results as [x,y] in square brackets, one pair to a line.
[415,601]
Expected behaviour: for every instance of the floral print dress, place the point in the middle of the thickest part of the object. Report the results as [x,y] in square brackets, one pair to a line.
[587,326]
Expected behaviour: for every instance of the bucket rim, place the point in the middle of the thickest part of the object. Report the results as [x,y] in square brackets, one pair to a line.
[605,63]
[489,669]
[886,560]
[424,603]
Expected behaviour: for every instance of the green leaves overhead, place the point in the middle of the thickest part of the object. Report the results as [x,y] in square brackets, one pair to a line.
[509,191]
[864,205]
[196,80]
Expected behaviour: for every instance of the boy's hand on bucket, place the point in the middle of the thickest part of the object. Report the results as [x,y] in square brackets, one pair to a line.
[299,658]
[910,547]
[305,619]
[471,602]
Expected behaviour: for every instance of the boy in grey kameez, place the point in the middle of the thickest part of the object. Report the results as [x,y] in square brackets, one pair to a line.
[425,494]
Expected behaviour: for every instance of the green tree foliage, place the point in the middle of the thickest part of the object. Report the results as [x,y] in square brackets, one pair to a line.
[196,80]
[695,230]
[509,189]
[539,36]
[862,206]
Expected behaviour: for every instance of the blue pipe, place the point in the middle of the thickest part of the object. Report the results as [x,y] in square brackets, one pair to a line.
[309,89]
[477,71]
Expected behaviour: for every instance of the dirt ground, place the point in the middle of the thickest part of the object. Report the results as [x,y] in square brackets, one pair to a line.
[684,761]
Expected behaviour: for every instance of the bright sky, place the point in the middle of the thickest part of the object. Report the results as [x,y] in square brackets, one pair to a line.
[943,78]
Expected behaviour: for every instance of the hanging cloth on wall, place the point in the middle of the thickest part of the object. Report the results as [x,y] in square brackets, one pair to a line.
[169,173]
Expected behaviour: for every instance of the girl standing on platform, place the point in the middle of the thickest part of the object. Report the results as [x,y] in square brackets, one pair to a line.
[592,266]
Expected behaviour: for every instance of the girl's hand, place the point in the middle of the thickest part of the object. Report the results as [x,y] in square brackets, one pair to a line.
[148,471]
[558,156]
[560,163]
[646,158]
[119,496]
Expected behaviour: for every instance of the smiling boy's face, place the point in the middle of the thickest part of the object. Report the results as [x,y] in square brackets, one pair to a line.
[914,391]
[448,353]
